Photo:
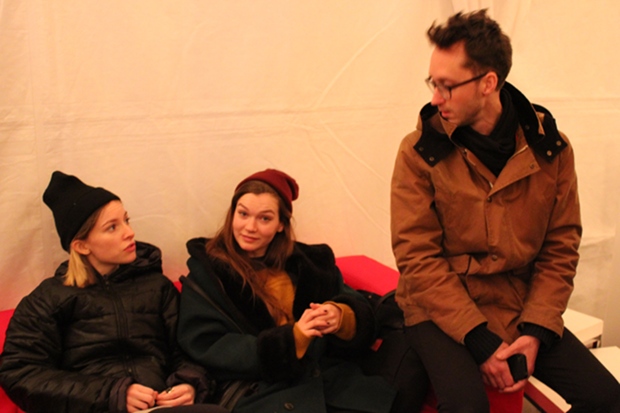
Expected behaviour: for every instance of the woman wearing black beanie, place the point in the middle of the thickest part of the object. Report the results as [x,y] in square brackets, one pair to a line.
[99,336]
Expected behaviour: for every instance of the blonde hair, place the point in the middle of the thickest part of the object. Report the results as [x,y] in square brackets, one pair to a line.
[80,272]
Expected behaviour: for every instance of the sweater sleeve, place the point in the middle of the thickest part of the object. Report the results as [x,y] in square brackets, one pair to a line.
[302,342]
[482,343]
[347,324]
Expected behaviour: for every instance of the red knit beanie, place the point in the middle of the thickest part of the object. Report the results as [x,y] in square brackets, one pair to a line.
[283,184]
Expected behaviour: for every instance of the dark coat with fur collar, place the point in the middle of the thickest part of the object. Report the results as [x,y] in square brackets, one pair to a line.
[241,341]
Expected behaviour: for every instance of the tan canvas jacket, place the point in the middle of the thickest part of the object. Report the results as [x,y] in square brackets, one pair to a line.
[474,248]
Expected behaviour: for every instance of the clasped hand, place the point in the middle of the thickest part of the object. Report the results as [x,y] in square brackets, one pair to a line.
[495,371]
[320,319]
[140,397]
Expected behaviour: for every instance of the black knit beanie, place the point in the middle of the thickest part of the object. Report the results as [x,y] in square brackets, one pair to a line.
[72,202]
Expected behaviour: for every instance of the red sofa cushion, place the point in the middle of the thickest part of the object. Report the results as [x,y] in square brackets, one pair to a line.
[363,273]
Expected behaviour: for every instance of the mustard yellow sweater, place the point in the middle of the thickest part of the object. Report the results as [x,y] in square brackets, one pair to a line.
[280,287]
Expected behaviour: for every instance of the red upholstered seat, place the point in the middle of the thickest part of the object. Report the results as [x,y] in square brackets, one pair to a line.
[363,273]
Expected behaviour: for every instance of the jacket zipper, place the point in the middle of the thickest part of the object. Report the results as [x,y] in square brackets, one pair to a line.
[122,329]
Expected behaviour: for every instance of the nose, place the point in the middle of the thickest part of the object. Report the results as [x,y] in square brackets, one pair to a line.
[129,233]
[437,99]
[251,225]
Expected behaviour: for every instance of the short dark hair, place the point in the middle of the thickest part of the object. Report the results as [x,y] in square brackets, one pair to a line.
[487,47]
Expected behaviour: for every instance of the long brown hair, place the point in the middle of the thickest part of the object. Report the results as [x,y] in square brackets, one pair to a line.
[224,247]
[80,272]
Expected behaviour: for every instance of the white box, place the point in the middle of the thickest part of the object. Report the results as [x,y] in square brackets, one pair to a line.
[589,330]
[586,328]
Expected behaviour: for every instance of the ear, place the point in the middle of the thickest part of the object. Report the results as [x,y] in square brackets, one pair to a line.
[281,227]
[80,246]
[489,83]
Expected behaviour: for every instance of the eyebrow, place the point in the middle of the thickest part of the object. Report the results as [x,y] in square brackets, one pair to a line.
[114,220]
[264,211]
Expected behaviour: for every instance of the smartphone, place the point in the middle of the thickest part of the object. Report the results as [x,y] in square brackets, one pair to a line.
[518,367]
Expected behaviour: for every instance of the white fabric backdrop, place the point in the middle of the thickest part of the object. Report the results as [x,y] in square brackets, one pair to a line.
[170,103]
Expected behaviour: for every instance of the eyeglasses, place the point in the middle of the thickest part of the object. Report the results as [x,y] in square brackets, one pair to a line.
[446,91]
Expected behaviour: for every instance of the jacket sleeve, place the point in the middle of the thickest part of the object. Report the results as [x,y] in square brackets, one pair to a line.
[208,337]
[425,275]
[365,322]
[322,274]
[31,366]
[183,369]
[320,280]
[555,266]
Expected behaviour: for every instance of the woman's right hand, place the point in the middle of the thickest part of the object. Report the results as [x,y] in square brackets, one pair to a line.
[312,322]
[140,397]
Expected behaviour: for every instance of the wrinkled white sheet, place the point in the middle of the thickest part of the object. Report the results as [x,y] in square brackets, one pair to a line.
[170,103]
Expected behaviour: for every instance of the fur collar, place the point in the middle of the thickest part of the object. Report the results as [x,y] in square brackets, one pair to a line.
[312,270]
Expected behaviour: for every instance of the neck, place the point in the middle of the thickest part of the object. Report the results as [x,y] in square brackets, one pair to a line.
[489,115]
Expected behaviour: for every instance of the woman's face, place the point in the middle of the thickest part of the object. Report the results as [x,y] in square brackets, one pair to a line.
[256,221]
[111,241]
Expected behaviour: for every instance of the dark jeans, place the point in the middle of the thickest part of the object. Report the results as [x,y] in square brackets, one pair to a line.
[567,367]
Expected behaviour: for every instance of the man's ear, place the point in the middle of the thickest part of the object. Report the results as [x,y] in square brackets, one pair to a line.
[80,246]
[489,83]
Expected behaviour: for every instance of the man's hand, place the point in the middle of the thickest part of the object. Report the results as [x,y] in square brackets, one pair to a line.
[495,371]
[179,395]
[527,345]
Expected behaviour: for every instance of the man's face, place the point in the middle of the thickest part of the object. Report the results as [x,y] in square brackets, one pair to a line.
[447,68]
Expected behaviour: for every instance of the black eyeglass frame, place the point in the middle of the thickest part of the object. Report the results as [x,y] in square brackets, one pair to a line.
[443,88]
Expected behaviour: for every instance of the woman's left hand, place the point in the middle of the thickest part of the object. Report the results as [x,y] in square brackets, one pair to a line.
[179,395]
[329,316]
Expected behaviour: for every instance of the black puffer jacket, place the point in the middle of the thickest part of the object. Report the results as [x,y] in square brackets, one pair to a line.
[74,349]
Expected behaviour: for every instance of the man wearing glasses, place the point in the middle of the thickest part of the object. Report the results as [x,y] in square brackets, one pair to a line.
[485,231]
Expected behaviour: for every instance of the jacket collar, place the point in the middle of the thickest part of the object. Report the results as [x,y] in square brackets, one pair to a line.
[307,268]
[536,122]
[148,260]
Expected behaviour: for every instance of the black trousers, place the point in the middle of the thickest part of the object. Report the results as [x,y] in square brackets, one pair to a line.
[400,366]
[567,367]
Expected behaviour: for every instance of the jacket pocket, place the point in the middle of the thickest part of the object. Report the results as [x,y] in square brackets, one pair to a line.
[463,264]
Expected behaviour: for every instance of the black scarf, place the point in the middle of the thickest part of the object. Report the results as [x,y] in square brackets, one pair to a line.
[495,149]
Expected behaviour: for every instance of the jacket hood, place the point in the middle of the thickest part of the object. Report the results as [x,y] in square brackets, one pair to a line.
[536,122]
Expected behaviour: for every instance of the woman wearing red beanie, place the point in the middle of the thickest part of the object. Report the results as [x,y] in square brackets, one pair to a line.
[260,307]
[99,336]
